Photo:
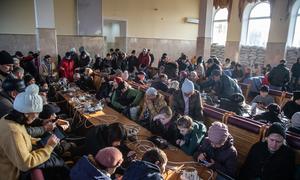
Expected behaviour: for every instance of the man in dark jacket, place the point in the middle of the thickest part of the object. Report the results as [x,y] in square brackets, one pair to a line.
[10,89]
[151,167]
[211,66]
[187,101]
[293,106]
[217,150]
[171,70]
[132,62]
[224,85]
[6,65]
[161,83]
[279,76]
[295,72]
[271,159]
[85,61]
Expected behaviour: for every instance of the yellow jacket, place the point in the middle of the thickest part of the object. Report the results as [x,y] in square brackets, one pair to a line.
[16,152]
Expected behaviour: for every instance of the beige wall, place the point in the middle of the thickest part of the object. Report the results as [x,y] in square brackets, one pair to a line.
[167,22]
[65,17]
[17,17]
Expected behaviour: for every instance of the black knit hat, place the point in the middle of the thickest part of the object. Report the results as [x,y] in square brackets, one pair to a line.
[296,95]
[5,58]
[48,110]
[274,108]
[264,88]
[276,128]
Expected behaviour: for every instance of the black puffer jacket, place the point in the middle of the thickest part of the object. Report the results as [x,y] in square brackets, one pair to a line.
[264,165]
[279,75]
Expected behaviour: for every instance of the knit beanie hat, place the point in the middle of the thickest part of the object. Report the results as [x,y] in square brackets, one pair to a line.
[187,86]
[218,132]
[151,91]
[29,101]
[109,157]
[276,128]
[295,121]
[5,58]
[264,88]
[274,108]
[296,95]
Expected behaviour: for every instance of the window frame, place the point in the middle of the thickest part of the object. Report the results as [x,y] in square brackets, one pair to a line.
[256,18]
[246,21]
[219,21]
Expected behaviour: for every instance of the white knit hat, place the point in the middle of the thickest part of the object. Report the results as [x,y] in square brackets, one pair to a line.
[151,91]
[29,101]
[187,86]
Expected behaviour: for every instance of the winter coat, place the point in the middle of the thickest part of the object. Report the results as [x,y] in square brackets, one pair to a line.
[160,86]
[262,164]
[142,170]
[85,169]
[226,87]
[195,105]
[84,63]
[169,131]
[144,60]
[154,106]
[296,70]
[16,153]
[269,117]
[131,97]
[68,65]
[290,108]
[132,63]
[211,69]
[46,69]
[279,75]
[225,157]
[6,103]
[96,139]
[104,90]
[193,138]
[171,70]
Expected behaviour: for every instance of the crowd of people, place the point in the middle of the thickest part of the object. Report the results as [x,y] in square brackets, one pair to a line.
[31,122]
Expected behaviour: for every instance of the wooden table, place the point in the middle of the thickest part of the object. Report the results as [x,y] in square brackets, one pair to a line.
[176,157]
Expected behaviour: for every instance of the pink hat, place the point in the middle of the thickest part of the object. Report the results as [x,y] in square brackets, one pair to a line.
[109,157]
[218,133]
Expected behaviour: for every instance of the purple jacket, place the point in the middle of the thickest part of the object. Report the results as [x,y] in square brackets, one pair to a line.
[225,157]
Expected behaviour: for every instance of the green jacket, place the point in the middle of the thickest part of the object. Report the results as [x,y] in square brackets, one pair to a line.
[194,138]
[133,97]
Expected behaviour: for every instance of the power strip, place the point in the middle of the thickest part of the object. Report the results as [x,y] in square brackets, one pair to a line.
[189,175]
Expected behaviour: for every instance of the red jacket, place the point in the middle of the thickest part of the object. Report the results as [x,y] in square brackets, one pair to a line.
[265,80]
[144,59]
[67,69]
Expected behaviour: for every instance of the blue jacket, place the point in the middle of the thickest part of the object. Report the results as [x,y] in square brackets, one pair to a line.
[84,169]
[142,170]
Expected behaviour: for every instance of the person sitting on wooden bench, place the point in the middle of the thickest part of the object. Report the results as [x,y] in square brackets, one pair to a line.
[270,159]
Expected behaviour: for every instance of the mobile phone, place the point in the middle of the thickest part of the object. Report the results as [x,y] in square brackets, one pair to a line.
[204,162]
[58,133]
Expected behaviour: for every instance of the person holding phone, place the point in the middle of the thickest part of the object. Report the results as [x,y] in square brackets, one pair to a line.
[217,150]
[16,151]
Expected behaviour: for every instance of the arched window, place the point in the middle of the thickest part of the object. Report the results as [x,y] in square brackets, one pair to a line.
[259,25]
[296,38]
[220,27]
